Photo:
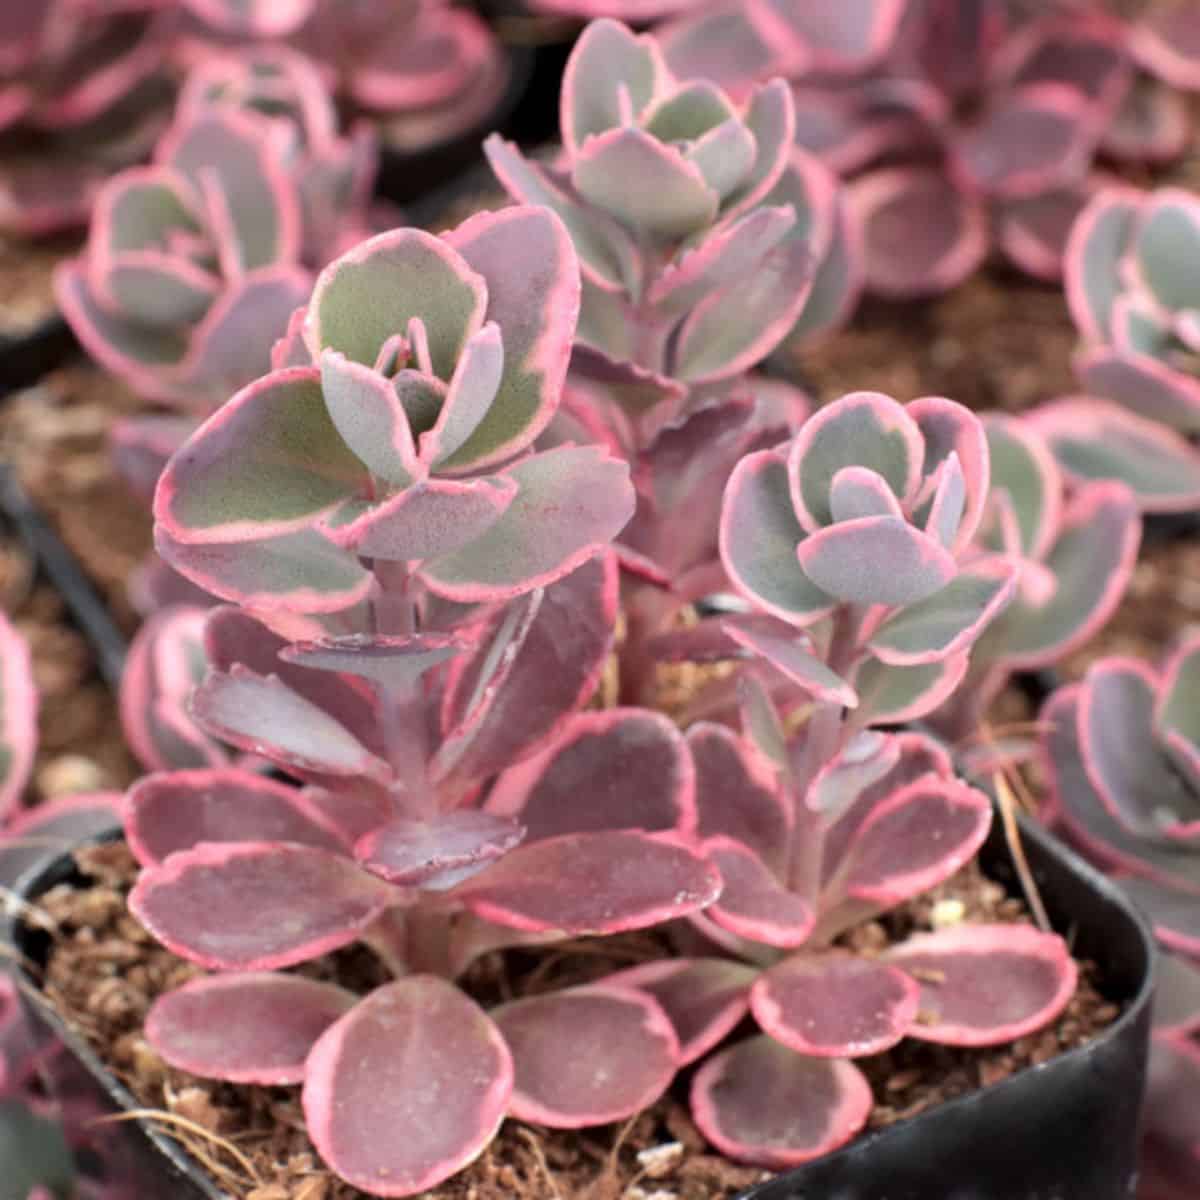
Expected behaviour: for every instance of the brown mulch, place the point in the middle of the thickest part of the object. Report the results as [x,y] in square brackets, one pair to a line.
[26,282]
[104,971]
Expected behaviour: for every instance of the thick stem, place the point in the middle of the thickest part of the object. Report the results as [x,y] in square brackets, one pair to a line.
[429,942]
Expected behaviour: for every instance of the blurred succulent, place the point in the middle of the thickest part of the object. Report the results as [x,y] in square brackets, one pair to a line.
[1132,271]
[1076,551]
[83,92]
[18,718]
[424,70]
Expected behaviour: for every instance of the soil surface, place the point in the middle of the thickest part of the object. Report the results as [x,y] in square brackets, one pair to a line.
[27,282]
[104,972]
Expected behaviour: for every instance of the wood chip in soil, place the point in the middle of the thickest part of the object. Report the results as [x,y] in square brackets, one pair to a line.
[105,971]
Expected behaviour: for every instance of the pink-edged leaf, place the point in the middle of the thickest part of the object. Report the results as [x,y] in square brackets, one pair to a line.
[570,501]
[1166,41]
[1177,712]
[861,429]
[527,257]
[471,393]
[367,412]
[375,290]
[1139,785]
[588,1055]
[948,429]
[245,1028]
[770,116]
[1152,124]
[619,768]
[762,1103]
[949,621]
[876,560]
[891,695]
[620,881]
[141,446]
[986,984]
[266,463]
[912,840]
[737,793]
[1090,561]
[18,717]
[1176,995]
[834,1005]
[165,813]
[1093,440]
[837,787]
[792,657]
[716,42]
[1023,467]
[257,905]
[262,715]
[676,200]
[432,518]
[394,662]
[1148,387]
[838,282]
[922,234]
[759,534]
[445,1080]
[705,999]
[1174,912]
[553,668]
[847,38]
[418,852]
[754,903]
[1033,231]
[1097,243]
[54,827]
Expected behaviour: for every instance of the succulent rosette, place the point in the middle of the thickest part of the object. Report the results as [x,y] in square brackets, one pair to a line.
[83,92]
[424,71]
[434,364]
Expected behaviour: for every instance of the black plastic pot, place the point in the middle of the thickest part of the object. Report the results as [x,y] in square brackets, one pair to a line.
[27,355]
[1066,1130]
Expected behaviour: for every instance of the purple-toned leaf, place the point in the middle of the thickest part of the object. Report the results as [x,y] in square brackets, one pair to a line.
[860,492]
[55,827]
[949,429]
[620,881]
[571,501]
[890,695]
[1166,41]
[949,621]
[716,42]
[266,463]
[588,1055]
[417,852]
[705,999]
[922,234]
[876,560]
[18,717]
[1174,912]
[754,903]
[376,289]
[251,1028]
[141,445]
[1090,562]
[847,38]
[1165,239]
[1139,785]
[1176,995]
[153,288]
[471,393]
[760,1102]
[1177,711]
[737,794]
[1094,440]
[865,759]
[1151,125]
[261,715]
[536,311]
[838,281]
[446,1082]
[393,662]
[1097,244]
[793,657]
[257,905]
[1033,231]
[759,534]
[1024,469]
[986,984]
[178,810]
[912,840]
[834,1005]
[1148,387]
[619,768]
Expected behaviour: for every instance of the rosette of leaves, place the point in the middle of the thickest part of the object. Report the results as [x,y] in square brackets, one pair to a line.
[435,363]
[444,813]
[1131,277]
[1122,752]
[1076,548]
[424,71]
[83,92]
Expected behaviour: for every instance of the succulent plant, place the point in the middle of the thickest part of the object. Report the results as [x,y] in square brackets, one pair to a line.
[852,546]
[1131,272]
[424,70]
[18,718]
[83,92]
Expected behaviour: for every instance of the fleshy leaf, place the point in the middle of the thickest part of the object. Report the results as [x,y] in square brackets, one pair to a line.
[889,695]
[245,1028]
[754,904]
[257,905]
[587,1055]
[1166,240]
[1148,387]
[391,661]
[792,657]
[417,852]
[834,1005]
[842,39]
[982,985]
[165,813]
[18,717]
[446,1082]
[1174,912]
[1177,711]
[760,1102]
[621,881]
